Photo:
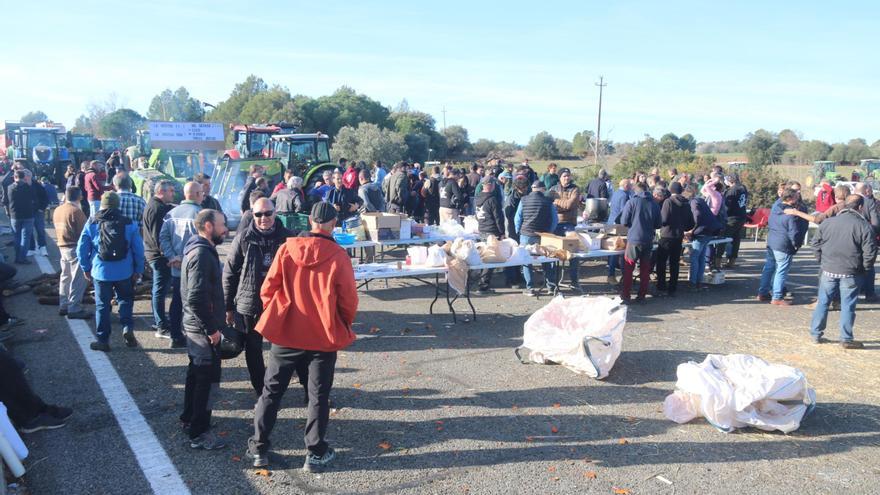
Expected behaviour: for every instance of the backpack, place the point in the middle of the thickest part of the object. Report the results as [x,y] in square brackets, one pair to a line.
[112,245]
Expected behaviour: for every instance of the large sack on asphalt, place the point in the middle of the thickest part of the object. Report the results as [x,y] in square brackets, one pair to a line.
[740,390]
[584,334]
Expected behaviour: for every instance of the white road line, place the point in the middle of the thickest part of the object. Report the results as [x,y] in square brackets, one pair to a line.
[152,458]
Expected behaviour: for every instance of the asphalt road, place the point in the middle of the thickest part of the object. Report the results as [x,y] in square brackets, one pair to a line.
[423,406]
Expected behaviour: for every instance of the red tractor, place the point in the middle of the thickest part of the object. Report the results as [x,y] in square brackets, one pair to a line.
[252,141]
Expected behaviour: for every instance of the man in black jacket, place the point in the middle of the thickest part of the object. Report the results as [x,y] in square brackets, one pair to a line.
[598,187]
[451,198]
[431,193]
[208,201]
[736,199]
[846,250]
[247,263]
[203,317]
[154,215]
[21,201]
[675,219]
[256,171]
[490,218]
[871,212]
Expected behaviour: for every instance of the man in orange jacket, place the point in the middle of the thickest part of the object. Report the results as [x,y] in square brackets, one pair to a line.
[310,301]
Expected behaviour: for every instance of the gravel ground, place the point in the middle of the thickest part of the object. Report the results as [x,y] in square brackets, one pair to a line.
[424,406]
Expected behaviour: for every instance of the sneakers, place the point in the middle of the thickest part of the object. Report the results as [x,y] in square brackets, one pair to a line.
[62,311]
[780,302]
[763,297]
[852,344]
[31,252]
[79,315]
[43,251]
[819,340]
[530,292]
[128,337]
[178,343]
[207,441]
[100,346]
[317,464]
[483,292]
[258,460]
[59,412]
[612,280]
[44,421]
[162,333]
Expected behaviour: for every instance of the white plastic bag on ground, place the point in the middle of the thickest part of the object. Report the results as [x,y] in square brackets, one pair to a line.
[584,334]
[740,390]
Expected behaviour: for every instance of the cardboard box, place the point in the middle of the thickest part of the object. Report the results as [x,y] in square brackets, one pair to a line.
[617,229]
[613,243]
[383,234]
[571,244]
[375,221]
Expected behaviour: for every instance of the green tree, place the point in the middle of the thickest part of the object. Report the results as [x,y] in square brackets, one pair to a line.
[838,153]
[763,148]
[457,143]
[343,108]
[563,148]
[814,150]
[542,146]
[177,106]
[687,142]
[418,147]
[857,149]
[122,124]
[34,117]
[83,125]
[272,106]
[229,110]
[483,147]
[669,142]
[368,142]
[505,149]
[789,139]
[581,143]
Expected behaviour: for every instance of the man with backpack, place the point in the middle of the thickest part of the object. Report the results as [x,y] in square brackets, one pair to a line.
[111,254]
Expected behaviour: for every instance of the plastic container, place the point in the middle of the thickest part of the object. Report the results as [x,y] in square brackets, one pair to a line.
[344,239]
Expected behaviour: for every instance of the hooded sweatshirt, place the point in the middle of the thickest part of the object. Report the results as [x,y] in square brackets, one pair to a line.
[675,217]
[309,296]
[825,198]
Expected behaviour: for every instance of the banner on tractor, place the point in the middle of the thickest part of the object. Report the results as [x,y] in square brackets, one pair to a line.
[187,135]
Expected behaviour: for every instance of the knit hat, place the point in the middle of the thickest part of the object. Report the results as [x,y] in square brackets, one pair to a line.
[675,188]
[109,200]
[538,185]
[323,212]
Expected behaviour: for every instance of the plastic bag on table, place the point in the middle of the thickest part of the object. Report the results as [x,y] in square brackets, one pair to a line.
[465,250]
[471,225]
[417,255]
[457,275]
[584,334]
[493,251]
[436,256]
[520,255]
[451,228]
[740,390]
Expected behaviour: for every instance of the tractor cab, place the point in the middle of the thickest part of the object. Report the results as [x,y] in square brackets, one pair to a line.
[307,155]
[41,148]
[252,141]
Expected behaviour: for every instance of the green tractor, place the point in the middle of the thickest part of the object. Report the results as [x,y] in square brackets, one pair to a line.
[307,155]
[83,147]
[176,166]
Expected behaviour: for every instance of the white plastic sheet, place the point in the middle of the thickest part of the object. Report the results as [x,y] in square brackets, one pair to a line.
[584,334]
[740,390]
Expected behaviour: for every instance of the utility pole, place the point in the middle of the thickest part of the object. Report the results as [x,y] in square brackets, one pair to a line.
[601,85]
[444,118]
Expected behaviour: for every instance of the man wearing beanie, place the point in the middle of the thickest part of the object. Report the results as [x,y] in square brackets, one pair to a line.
[675,219]
[111,254]
[310,301]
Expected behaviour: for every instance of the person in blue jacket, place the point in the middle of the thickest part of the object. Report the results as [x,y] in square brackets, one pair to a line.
[619,199]
[111,254]
[785,236]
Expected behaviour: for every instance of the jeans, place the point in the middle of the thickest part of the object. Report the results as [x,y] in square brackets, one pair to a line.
[104,291]
[175,311]
[574,264]
[253,353]
[849,294]
[23,229]
[776,266]
[698,258]
[22,404]
[40,229]
[94,206]
[868,283]
[643,257]
[72,283]
[283,362]
[161,284]
[613,264]
[549,270]
[202,385]
[733,230]
[668,251]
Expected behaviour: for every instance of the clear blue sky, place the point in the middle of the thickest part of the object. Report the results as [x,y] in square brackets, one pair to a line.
[504,70]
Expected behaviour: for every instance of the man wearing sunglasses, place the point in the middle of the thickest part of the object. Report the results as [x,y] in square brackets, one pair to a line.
[247,263]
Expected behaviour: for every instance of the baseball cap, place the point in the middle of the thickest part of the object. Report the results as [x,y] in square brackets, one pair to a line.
[538,185]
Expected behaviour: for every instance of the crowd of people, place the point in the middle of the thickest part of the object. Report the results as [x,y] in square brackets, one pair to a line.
[296,289]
